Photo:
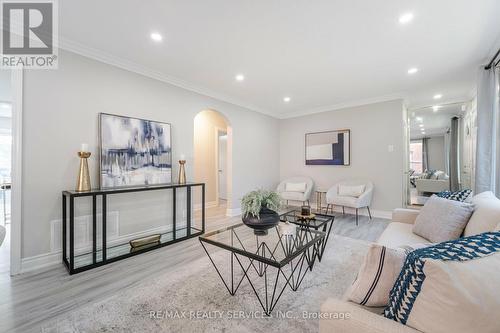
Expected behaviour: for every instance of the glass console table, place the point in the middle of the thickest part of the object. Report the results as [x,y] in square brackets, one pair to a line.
[101,253]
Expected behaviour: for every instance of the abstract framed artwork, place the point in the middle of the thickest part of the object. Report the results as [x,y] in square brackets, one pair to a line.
[328,148]
[134,152]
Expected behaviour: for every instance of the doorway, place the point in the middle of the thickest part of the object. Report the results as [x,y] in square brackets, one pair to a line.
[212,159]
[5,169]
[222,166]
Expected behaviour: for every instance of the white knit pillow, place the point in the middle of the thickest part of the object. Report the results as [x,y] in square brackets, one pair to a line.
[442,220]
[295,187]
[378,273]
[351,190]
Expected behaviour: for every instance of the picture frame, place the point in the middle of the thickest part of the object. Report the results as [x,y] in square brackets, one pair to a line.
[328,148]
[134,152]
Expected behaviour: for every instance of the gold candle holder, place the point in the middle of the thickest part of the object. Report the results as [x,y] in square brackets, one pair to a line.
[182,172]
[83,182]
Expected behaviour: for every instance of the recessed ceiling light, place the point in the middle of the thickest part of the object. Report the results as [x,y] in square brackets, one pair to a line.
[423,133]
[435,108]
[438,96]
[421,125]
[406,18]
[156,37]
[419,119]
[286,99]
[412,70]
[240,77]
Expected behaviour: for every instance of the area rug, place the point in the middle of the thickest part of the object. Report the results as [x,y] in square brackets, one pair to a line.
[193,299]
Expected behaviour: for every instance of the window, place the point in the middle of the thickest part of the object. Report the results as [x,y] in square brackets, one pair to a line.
[416,156]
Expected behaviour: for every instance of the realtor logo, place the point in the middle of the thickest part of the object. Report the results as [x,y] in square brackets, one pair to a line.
[29,34]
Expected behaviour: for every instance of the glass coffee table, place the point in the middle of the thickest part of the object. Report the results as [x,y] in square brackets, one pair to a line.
[269,262]
[321,222]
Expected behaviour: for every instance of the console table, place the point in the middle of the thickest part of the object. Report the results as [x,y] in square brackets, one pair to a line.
[76,263]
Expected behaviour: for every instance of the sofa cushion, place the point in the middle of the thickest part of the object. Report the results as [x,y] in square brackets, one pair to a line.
[397,234]
[295,187]
[351,190]
[299,196]
[377,275]
[345,201]
[442,219]
[450,287]
[486,214]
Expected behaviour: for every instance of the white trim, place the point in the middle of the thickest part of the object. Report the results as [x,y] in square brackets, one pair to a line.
[134,67]
[131,66]
[16,171]
[232,212]
[52,259]
[340,106]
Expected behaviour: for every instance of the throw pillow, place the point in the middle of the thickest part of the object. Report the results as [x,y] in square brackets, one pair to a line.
[457,196]
[295,187]
[450,287]
[351,190]
[378,273]
[486,214]
[442,220]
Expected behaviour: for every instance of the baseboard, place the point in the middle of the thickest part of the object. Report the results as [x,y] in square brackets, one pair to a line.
[231,212]
[46,261]
[41,262]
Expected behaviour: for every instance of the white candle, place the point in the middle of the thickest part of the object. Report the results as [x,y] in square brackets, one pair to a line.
[183,157]
[85,147]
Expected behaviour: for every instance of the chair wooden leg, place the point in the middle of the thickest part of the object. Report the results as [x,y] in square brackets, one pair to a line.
[369,213]
[356,216]
[287,202]
[343,210]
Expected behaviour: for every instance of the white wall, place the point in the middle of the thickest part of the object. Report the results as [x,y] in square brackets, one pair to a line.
[373,128]
[436,153]
[61,109]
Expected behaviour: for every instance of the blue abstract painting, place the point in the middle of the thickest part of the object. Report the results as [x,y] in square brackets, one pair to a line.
[328,148]
[134,152]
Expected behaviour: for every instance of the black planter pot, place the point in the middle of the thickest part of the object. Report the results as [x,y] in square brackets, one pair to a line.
[267,219]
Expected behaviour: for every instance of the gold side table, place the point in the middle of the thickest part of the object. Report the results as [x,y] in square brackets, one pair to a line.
[320,193]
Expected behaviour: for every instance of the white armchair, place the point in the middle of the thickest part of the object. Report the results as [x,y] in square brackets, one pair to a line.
[295,191]
[335,198]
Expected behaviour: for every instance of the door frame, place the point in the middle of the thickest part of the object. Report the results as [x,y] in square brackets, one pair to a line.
[16,172]
[217,131]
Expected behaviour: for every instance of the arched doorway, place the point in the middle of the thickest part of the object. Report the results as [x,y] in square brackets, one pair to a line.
[213,157]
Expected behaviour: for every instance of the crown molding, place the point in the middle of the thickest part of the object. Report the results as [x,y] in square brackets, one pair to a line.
[104,57]
[345,105]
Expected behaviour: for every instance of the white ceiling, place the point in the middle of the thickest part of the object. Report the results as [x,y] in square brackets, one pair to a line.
[324,54]
[435,123]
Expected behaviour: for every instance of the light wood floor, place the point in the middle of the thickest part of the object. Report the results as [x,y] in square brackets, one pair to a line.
[27,301]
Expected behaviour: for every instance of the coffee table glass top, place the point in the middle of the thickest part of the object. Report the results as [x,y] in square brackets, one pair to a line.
[277,248]
[294,217]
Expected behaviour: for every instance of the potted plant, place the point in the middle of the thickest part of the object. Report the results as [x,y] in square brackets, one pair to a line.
[259,210]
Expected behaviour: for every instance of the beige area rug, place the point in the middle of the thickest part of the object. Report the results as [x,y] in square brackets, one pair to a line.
[193,299]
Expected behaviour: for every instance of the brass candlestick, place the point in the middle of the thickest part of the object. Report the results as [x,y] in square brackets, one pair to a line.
[182,172]
[83,182]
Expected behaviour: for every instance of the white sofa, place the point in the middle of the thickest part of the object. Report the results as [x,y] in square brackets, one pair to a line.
[333,198]
[302,196]
[438,182]
[486,217]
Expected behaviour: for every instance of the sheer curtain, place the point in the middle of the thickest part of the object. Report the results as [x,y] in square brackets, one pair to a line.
[488,132]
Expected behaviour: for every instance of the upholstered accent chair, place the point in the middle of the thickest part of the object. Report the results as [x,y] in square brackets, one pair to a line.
[296,189]
[354,194]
